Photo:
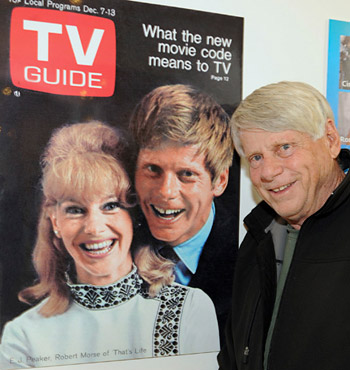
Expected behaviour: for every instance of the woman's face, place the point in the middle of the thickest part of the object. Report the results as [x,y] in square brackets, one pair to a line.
[97,233]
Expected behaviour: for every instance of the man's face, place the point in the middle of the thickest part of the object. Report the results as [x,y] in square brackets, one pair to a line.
[175,191]
[293,173]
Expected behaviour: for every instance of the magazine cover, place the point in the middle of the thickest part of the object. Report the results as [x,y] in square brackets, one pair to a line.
[116,75]
[338,80]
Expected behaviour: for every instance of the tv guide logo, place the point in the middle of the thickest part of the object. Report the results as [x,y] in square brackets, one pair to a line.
[62,52]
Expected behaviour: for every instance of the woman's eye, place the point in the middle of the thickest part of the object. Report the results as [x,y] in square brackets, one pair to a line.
[110,206]
[73,210]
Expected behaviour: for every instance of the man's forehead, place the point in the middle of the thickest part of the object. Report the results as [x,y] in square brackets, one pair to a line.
[171,151]
[170,146]
[168,143]
[255,135]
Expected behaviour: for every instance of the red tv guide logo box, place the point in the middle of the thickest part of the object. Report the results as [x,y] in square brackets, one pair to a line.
[62,52]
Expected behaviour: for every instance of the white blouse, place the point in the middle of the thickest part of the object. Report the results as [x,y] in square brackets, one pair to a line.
[113,322]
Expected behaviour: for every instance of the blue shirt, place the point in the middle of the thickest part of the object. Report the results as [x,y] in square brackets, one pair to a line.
[190,251]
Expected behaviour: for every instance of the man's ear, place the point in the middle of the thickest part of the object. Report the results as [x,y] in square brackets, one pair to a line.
[221,183]
[332,138]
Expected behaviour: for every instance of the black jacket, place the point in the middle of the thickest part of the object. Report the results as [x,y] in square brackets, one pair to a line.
[216,265]
[215,269]
[312,329]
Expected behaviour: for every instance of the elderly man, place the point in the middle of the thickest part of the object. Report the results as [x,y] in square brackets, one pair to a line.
[184,151]
[291,300]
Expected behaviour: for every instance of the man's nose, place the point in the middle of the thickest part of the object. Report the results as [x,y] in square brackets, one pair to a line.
[168,186]
[270,168]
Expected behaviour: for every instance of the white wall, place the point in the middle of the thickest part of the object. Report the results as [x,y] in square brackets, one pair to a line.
[283,40]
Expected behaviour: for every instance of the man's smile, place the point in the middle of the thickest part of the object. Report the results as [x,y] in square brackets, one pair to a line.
[281,188]
[167,214]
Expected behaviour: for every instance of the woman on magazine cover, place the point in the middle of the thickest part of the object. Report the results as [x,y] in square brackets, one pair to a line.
[94,303]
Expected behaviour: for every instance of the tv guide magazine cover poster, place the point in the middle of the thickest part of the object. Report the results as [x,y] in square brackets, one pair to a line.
[338,79]
[74,61]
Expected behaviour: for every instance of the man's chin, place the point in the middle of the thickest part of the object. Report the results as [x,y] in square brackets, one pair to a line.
[166,237]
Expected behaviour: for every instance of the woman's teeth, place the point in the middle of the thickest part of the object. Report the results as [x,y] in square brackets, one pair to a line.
[98,248]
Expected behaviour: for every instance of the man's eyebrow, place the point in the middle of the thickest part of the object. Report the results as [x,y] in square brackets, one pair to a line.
[252,153]
[285,142]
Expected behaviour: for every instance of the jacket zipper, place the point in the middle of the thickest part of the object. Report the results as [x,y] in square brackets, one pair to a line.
[246,348]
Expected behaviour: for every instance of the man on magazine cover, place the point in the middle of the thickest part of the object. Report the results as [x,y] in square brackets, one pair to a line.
[291,302]
[184,151]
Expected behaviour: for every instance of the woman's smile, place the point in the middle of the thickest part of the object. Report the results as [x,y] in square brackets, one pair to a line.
[99,249]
